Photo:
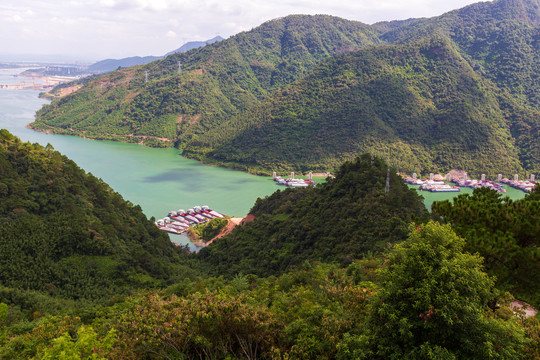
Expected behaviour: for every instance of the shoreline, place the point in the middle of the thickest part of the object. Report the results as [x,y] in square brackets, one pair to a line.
[66,132]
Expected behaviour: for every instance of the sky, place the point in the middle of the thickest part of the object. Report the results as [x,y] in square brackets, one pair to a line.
[90,30]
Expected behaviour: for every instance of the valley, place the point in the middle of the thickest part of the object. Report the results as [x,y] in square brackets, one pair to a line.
[360,266]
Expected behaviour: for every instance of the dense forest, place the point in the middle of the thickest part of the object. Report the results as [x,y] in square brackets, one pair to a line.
[419,105]
[339,221]
[349,269]
[504,232]
[290,77]
[67,239]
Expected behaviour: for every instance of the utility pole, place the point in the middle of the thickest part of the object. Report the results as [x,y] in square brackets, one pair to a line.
[387,187]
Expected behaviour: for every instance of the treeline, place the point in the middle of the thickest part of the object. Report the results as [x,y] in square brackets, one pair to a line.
[429,300]
[66,235]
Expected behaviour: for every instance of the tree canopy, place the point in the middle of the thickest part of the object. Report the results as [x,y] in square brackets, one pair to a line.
[433,303]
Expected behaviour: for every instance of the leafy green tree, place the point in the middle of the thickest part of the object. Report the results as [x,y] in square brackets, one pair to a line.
[504,232]
[3,316]
[433,303]
[86,345]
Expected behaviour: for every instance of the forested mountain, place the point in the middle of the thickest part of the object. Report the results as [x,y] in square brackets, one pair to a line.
[351,271]
[420,105]
[478,109]
[500,39]
[65,235]
[216,82]
[339,221]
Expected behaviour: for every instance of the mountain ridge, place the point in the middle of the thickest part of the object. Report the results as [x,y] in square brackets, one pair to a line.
[107,65]
[424,111]
[231,79]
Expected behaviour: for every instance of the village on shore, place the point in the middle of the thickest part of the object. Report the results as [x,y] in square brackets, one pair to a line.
[438,183]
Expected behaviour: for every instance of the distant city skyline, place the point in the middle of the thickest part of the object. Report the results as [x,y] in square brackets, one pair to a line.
[92,30]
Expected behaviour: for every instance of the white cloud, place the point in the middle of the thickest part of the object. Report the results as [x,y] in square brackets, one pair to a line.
[15,18]
[119,28]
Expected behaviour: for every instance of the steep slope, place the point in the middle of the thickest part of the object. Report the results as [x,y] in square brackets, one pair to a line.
[229,104]
[214,83]
[501,40]
[419,106]
[66,235]
[339,221]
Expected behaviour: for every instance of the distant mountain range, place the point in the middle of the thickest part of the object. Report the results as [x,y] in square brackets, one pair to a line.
[113,64]
[304,93]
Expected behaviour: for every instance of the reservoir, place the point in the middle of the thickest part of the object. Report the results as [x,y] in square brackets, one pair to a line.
[159,180]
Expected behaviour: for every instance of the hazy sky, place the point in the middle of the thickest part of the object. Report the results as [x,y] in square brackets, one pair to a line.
[98,29]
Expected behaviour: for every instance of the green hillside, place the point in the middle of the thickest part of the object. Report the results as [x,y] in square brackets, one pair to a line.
[215,83]
[309,92]
[339,221]
[421,106]
[66,236]
[344,270]
[499,39]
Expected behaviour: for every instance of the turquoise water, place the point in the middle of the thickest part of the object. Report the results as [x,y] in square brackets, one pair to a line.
[159,180]
[431,197]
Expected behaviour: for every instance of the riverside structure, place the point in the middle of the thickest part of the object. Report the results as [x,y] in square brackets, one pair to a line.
[436,185]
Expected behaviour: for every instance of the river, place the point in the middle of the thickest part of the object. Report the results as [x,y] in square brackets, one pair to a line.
[159,180]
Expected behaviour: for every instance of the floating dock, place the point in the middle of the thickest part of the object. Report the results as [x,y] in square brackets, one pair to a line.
[292,182]
[178,222]
[523,185]
[464,181]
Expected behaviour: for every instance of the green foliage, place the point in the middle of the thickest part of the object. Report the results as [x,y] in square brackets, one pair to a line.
[337,221]
[86,345]
[66,235]
[419,106]
[504,232]
[316,311]
[3,327]
[433,303]
[300,315]
[211,229]
[209,325]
